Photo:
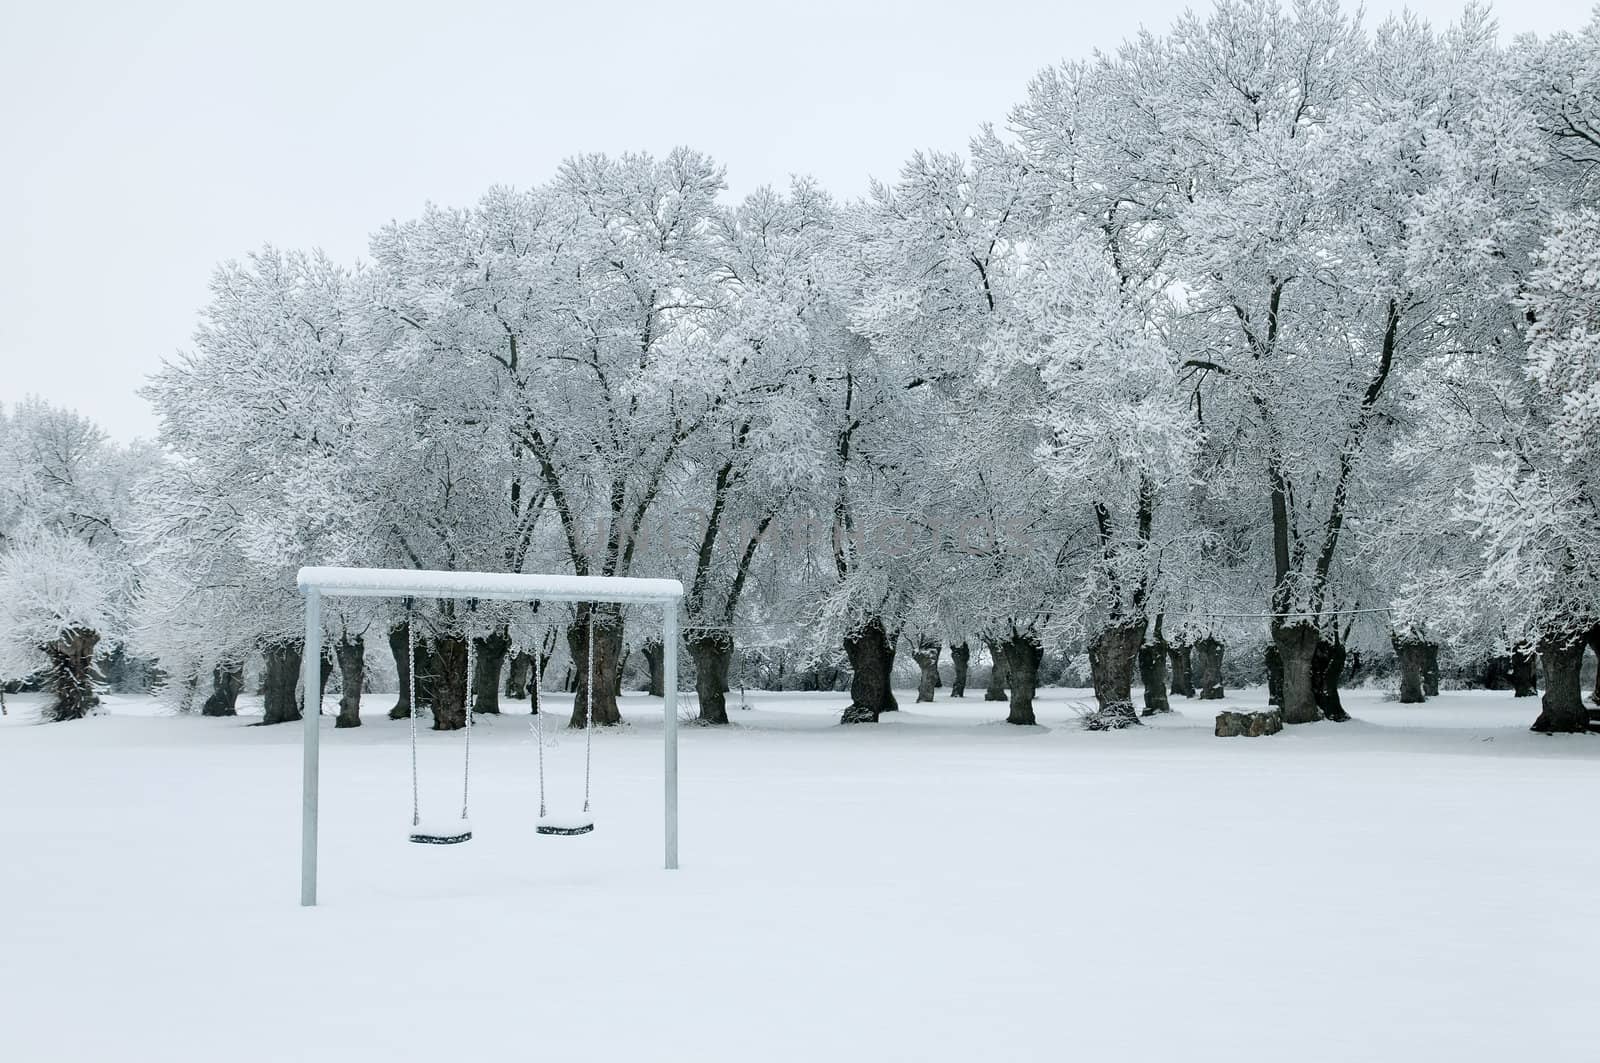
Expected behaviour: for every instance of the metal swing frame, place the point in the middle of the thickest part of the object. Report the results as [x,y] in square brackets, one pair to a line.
[323,582]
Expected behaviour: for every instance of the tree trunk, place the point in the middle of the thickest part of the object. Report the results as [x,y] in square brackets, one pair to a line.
[1524,673]
[711,649]
[450,682]
[1327,665]
[1496,673]
[1153,677]
[490,653]
[518,674]
[1274,674]
[1112,653]
[1182,673]
[227,681]
[622,664]
[996,690]
[280,675]
[655,661]
[1208,668]
[352,654]
[1297,645]
[399,635]
[1022,655]
[1594,646]
[1413,655]
[1430,669]
[871,673]
[926,654]
[71,659]
[1562,711]
[607,623]
[961,655]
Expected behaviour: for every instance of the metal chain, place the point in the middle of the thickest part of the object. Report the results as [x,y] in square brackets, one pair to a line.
[411,697]
[537,723]
[588,715]
[472,704]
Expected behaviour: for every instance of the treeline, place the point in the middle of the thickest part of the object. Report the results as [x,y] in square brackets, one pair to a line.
[1269,328]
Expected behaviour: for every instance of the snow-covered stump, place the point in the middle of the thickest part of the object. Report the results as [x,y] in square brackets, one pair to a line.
[1248,724]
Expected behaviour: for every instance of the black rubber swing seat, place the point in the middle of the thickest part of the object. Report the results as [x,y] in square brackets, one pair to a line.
[447,836]
[557,826]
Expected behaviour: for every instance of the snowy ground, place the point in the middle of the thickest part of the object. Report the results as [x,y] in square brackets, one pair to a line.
[1411,886]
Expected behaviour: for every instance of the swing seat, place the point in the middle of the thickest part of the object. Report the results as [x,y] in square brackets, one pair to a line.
[452,832]
[563,826]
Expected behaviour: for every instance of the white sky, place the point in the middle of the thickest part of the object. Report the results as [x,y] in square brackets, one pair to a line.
[140,144]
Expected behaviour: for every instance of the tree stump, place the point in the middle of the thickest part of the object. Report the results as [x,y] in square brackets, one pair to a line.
[1248,724]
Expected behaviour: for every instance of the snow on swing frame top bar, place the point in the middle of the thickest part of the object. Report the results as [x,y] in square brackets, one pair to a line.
[423,583]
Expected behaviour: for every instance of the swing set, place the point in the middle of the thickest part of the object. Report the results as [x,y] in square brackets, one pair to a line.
[318,583]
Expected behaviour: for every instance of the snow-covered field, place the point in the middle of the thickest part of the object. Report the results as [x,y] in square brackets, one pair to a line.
[1412,886]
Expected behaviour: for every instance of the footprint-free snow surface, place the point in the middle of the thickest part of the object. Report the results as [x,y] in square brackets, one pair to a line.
[1415,885]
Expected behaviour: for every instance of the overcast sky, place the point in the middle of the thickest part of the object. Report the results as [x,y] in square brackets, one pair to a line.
[143,143]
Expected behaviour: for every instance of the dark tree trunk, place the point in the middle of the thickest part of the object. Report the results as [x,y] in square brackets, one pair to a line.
[1297,645]
[1594,646]
[961,656]
[1112,653]
[352,654]
[711,649]
[871,657]
[450,682]
[1524,673]
[1562,710]
[996,690]
[1430,669]
[323,673]
[607,622]
[1182,674]
[1274,674]
[1022,655]
[491,650]
[1412,655]
[1497,673]
[1208,668]
[518,674]
[926,654]
[1327,665]
[279,677]
[227,682]
[622,664]
[1153,677]
[655,661]
[398,637]
[71,658]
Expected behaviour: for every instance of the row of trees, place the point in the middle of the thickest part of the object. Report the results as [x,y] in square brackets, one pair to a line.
[1266,321]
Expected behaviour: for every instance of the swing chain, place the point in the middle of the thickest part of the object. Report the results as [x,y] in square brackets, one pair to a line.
[471,705]
[588,713]
[537,722]
[411,700]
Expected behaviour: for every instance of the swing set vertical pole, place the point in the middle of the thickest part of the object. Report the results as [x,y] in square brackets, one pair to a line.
[669,718]
[311,675]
